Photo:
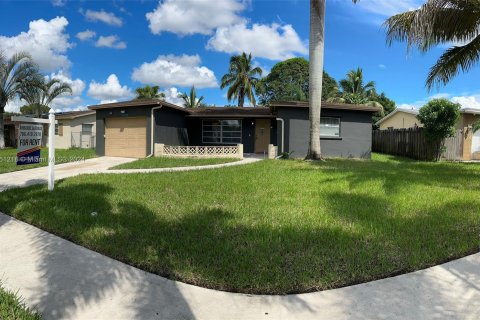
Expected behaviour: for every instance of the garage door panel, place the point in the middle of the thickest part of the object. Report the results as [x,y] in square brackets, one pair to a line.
[126,137]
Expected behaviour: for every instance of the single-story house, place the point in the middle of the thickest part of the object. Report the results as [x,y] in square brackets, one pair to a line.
[468,116]
[75,129]
[400,118]
[131,128]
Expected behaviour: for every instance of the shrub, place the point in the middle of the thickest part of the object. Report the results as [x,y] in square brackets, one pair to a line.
[439,117]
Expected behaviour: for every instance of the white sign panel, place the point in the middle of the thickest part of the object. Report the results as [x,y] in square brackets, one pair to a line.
[29,143]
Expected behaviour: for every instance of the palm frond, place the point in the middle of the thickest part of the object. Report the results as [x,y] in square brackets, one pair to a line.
[452,61]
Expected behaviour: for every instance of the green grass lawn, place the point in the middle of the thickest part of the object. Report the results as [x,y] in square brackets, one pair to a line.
[270,227]
[168,162]
[8,158]
[12,307]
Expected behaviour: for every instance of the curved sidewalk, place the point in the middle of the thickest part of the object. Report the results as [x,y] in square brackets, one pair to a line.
[64,280]
[192,168]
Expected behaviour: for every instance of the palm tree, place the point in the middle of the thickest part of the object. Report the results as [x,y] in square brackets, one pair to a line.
[241,79]
[40,92]
[148,92]
[354,91]
[441,22]
[316,52]
[191,100]
[13,74]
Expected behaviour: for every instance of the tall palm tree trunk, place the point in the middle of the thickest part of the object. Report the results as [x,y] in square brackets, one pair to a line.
[317,38]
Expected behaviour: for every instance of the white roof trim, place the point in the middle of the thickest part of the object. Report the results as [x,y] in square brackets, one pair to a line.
[470,110]
[397,110]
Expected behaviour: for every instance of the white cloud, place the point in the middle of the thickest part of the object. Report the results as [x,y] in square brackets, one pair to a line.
[194,16]
[59,3]
[468,101]
[170,70]
[274,42]
[86,35]
[112,41]
[172,95]
[67,101]
[109,90]
[103,16]
[14,105]
[46,41]
[382,66]
[387,8]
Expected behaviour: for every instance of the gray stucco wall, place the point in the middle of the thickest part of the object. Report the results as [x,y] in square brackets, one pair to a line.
[170,127]
[355,132]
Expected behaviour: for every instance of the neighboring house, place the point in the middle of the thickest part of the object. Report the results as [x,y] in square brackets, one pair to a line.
[400,118]
[131,128]
[468,116]
[75,129]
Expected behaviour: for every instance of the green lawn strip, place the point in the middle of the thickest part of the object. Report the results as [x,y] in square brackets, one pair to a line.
[271,227]
[12,307]
[169,162]
[8,158]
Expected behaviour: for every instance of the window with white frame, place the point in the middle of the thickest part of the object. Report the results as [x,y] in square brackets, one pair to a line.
[329,127]
[222,131]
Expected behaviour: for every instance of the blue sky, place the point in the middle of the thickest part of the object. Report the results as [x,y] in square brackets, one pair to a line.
[105,49]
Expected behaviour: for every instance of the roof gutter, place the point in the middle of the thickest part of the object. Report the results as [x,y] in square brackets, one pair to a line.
[152,130]
[282,134]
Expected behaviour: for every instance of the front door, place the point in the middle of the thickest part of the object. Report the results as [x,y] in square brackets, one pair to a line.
[262,135]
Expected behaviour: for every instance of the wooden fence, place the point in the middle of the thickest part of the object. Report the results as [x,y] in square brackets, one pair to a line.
[411,143]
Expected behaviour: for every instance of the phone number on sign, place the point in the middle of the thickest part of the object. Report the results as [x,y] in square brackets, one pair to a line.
[45,160]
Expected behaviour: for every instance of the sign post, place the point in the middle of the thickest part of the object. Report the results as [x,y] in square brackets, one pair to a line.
[51,150]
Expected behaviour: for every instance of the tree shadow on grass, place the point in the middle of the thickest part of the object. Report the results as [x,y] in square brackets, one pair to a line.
[210,246]
[400,176]
[76,282]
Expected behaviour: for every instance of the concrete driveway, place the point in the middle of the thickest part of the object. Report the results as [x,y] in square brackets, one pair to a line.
[39,175]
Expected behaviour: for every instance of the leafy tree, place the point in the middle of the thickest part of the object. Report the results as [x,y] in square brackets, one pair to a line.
[241,79]
[288,80]
[39,92]
[387,104]
[14,73]
[439,117]
[33,109]
[441,22]
[316,48]
[191,100]
[149,92]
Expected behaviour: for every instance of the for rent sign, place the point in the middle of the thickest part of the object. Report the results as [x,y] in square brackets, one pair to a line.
[29,143]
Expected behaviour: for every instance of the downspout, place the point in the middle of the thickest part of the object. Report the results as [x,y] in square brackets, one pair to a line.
[282,134]
[152,130]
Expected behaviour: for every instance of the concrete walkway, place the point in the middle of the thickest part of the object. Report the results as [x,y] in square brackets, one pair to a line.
[193,168]
[66,281]
[91,166]
[39,175]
